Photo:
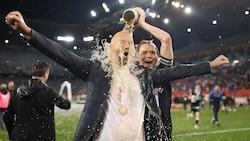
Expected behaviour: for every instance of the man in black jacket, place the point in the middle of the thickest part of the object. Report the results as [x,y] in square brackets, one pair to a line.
[149,56]
[119,93]
[30,114]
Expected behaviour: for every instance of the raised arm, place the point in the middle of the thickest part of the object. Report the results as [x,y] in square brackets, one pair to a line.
[165,39]
[15,20]
[186,70]
[77,65]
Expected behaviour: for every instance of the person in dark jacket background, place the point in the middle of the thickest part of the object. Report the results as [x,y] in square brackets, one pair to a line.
[30,114]
[216,100]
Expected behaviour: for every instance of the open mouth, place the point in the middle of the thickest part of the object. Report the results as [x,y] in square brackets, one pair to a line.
[148,63]
[126,54]
[123,57]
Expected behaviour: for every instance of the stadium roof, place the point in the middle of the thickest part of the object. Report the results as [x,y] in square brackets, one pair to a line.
[188,21]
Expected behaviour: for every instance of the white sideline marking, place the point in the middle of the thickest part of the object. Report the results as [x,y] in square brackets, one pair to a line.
[211,132]
[183,135]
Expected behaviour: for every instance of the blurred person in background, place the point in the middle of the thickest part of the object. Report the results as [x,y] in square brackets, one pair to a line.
[4,102]
[185,100]
[30,114]
[225,101]
[248,102]
[196,100]
[216,101]
[11,86]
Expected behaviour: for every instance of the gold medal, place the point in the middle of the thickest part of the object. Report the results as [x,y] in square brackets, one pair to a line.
[123,110]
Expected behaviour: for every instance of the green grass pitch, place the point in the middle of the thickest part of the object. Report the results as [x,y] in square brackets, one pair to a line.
[234,126]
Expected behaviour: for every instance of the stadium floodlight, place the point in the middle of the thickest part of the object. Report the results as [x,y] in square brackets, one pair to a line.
[188,10]
[6,41]
[93,13]
[75,47]
[214,22]
[236,61]
[153,2]
[89,38]
[166,20]
[105,7]
[65,38]
[246,12]
[189,30]
[152,14]
[121,1]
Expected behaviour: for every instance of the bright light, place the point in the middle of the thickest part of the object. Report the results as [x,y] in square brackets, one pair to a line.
[65,38]
[189,30]
[173,3]
[121,1]
[214,22]
[89,38]
[75,47]
[176,4]
[246,12]
[166,20]
[105,7]
[92,13]
[236,61]
[188,10]
[153,2]
[152,14]
[6,41]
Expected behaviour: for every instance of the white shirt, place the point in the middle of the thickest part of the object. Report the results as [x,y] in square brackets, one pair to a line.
[128,127]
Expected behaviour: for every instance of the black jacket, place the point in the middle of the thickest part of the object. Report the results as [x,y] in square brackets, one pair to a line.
[98,86]
[165,99]
[30,114]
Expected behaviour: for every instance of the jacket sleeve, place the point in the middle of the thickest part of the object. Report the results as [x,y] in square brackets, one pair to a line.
[59,101]
[77,65]
[180,71]
[8,117]
[164,62]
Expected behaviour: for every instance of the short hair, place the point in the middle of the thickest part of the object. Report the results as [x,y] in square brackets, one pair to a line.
[149,42]
[3,86]
[39,68]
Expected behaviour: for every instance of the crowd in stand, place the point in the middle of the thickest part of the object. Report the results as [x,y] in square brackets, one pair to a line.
[231,77]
